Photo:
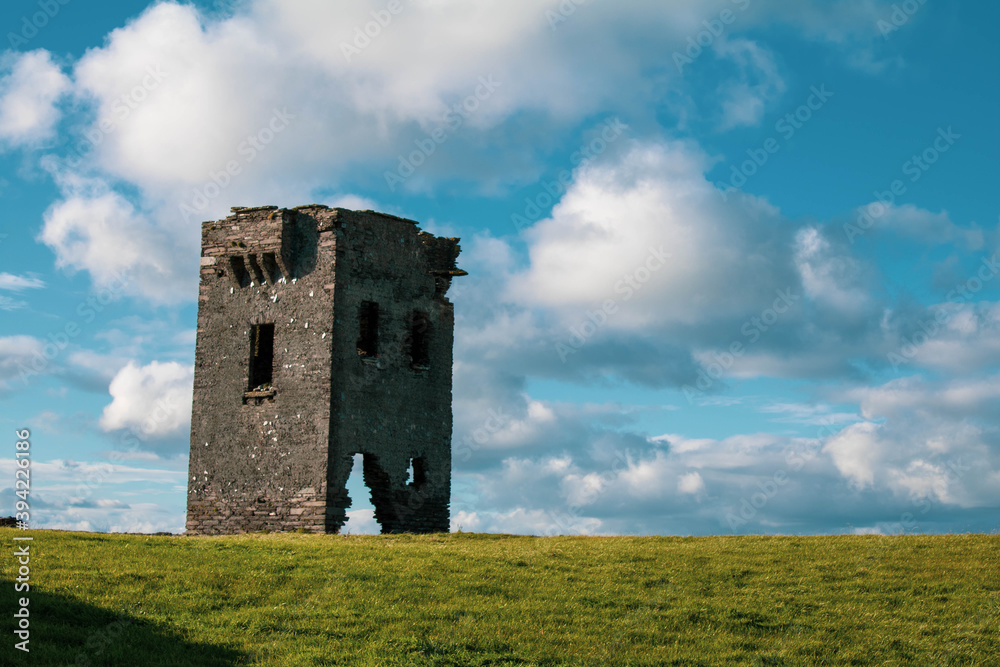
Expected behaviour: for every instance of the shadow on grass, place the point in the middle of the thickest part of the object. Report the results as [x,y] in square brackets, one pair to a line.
[65,631]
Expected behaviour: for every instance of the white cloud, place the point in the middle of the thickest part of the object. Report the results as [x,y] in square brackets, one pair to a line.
[933,438]
[645,272]
[29,91]
[914,396]
[525,521]
[951,337]
[746,98]
[7,303]
[178,95]
[220,81]
[856,451]
[832,277]
[361,522]
[103,496]
[607,237]
[17,357]
[918,223]
[102,232]
[922,479]
[691,483]
[14,283]
[153,400]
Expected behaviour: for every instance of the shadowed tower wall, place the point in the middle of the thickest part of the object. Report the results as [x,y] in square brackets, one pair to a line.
[322,333]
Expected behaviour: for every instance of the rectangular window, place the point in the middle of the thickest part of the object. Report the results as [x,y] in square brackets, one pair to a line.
[417,473]
[238,271]
[368,324]
[261,356]
[255,271]
[272,273]
[419,340]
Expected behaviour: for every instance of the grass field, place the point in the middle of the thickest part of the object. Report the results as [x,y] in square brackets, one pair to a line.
[466,599]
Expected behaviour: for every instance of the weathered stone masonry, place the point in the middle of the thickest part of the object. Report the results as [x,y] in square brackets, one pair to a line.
[322,333]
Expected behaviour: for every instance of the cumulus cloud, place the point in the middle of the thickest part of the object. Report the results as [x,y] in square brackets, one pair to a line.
[154,400]
[650,232]
[949,337]
[916,396]
[864,474]
[935,438]
[30,88]
[97,230]
[642,259]
[856,451]
[184,104]
[691,483]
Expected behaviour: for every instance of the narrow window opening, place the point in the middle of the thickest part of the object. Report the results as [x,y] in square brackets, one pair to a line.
[417,472]
[420,338]
[258,275]
[368,324]
[261,357]
[238,271]
[272,272]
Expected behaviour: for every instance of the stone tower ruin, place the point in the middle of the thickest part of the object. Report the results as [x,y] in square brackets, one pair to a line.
[322,333]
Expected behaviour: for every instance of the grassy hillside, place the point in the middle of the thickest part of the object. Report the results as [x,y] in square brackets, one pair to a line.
[468,599]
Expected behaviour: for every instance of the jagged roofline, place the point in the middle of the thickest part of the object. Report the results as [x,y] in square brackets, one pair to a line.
[449,269]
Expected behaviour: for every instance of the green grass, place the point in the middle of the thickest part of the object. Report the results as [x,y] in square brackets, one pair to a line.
[465,599]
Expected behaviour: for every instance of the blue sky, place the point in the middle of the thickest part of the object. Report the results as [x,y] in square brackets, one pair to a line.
[731,263]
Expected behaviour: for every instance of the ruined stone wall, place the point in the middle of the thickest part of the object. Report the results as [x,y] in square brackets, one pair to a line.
[258,460]
[384,407]
[277,457]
